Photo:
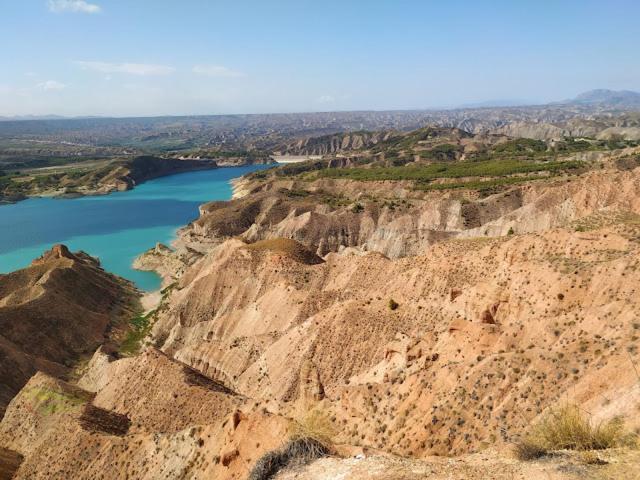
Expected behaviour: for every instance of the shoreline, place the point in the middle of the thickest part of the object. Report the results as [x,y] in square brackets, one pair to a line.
[60,194]
[21,259]
[150,300]
[238,189]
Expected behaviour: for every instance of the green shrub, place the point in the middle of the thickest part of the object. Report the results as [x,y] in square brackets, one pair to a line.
[521,145]
[393,305]
[427,173]
[139,328]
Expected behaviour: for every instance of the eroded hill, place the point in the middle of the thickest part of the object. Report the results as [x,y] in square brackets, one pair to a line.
[53,313]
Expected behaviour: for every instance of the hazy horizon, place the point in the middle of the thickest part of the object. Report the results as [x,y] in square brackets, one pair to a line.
[127,59]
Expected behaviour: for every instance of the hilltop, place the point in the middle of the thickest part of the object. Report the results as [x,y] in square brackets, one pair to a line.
[56,312]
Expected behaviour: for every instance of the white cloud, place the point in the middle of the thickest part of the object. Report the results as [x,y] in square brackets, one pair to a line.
[326,99]
[129,68]
[217,71]
[51,85]
[76,6]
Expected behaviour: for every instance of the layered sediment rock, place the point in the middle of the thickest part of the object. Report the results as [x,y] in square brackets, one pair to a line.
[330,215]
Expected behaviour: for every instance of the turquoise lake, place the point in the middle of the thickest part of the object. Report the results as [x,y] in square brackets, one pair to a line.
[115,228]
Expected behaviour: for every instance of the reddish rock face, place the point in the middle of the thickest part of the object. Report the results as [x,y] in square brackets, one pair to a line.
[56,252]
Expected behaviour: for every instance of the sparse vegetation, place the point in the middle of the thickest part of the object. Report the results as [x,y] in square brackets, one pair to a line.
[569,428]
[628,162]
[48,401]
[298,451]
[310,438]
[427,173]
[139,328]
[393,305]
[521,145]
[315,424]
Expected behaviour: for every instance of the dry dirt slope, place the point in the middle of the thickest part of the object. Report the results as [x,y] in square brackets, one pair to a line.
[475,350]
[54,311]
[453,351]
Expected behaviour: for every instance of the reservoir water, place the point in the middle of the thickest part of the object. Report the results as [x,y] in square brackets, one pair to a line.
[115,228]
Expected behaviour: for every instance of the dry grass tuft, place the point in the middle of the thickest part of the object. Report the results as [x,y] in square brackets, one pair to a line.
[527,450]
[297,451]
[591,458]
[568,428]
[316,424]
[311,436]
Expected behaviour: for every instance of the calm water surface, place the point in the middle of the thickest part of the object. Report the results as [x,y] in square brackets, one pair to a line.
[115,228]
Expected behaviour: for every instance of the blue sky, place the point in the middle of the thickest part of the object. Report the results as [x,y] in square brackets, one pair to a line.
[155,57]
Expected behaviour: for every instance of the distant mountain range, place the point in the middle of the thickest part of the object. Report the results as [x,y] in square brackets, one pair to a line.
[598,99]
[613,98]
[31,117]
[14,118]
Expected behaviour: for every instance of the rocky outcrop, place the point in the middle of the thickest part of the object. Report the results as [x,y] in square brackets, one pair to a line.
[369,465]
[168,263]
[407,323]
[126,175]
[391,218]
[54,312]
[330,144]
[531,322]
[537,131]
[443,353]
[310,386]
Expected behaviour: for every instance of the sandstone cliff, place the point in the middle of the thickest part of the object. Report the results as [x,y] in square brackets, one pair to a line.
[394,219]
[505,313]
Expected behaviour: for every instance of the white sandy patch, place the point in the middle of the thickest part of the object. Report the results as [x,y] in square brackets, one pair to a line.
[150,301]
